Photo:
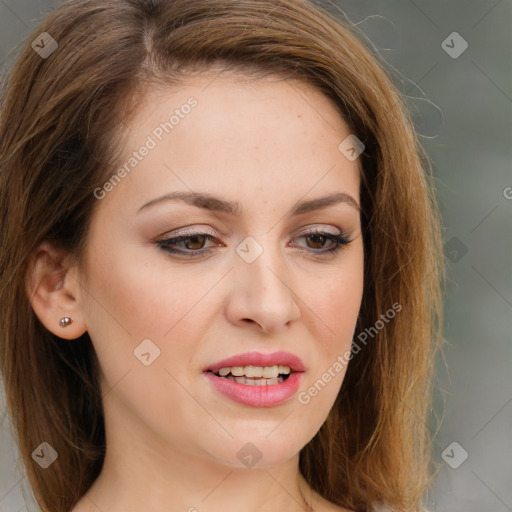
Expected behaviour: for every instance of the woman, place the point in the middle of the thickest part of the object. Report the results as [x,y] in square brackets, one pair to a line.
[221,263]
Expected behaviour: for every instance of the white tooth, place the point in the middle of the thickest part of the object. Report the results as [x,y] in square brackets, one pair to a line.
[253,371]
[270,372]
[256,382]
[237,371]
[285,370]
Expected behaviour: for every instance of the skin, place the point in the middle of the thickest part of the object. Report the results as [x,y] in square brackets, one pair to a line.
[172,439]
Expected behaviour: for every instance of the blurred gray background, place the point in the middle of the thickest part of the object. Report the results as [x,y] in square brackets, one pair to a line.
[461,100]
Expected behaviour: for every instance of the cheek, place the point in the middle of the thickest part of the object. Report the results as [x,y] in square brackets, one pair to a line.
[335,309]
[140,298]
[337,305]
[142,294]
[131,302]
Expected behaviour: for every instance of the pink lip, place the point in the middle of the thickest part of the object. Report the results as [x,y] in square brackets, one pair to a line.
[258,396]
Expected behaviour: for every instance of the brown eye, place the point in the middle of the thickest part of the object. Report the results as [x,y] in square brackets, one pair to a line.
[196,242]
[186,245]
[318,241]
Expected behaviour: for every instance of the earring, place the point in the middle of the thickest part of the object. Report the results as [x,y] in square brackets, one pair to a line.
[64,322]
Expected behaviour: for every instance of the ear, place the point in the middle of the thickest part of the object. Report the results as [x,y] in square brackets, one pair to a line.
[54,292]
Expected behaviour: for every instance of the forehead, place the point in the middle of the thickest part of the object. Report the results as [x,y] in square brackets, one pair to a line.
[229,100]
[214,132]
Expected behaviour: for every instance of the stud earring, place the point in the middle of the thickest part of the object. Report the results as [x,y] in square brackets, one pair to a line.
[64,322]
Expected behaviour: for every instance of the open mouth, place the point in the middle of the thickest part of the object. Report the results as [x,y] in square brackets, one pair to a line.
[255,375]
[257,379]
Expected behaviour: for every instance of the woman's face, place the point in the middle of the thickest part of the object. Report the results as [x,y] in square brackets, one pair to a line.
[249,272]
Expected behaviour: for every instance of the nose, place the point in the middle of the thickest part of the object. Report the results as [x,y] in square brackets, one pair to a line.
[263,293]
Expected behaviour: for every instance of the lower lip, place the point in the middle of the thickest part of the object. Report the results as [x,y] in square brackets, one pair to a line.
[257,396]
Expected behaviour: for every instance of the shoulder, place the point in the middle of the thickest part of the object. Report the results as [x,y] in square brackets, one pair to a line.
[384,508]
[327,506]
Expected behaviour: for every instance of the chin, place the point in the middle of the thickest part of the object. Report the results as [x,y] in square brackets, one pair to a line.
[260,452]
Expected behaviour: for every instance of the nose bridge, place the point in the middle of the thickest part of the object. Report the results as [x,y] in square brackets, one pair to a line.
[262,258]
[264,291]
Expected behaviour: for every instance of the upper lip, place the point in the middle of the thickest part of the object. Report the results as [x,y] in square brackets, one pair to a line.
[260,359]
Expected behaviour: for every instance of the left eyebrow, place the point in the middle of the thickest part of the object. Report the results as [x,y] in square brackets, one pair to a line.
[212,203]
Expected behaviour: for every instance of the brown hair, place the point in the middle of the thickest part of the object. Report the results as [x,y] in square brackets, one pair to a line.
[59,126]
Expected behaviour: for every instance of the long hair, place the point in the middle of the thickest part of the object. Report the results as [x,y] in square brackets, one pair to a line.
[59,140]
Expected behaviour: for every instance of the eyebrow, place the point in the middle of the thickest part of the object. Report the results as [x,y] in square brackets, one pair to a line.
[216,204]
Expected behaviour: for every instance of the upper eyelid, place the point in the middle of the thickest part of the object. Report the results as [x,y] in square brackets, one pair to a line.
[191,232]
[205,231]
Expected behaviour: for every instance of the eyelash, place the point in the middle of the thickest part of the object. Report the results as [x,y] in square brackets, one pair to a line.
[339,242]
